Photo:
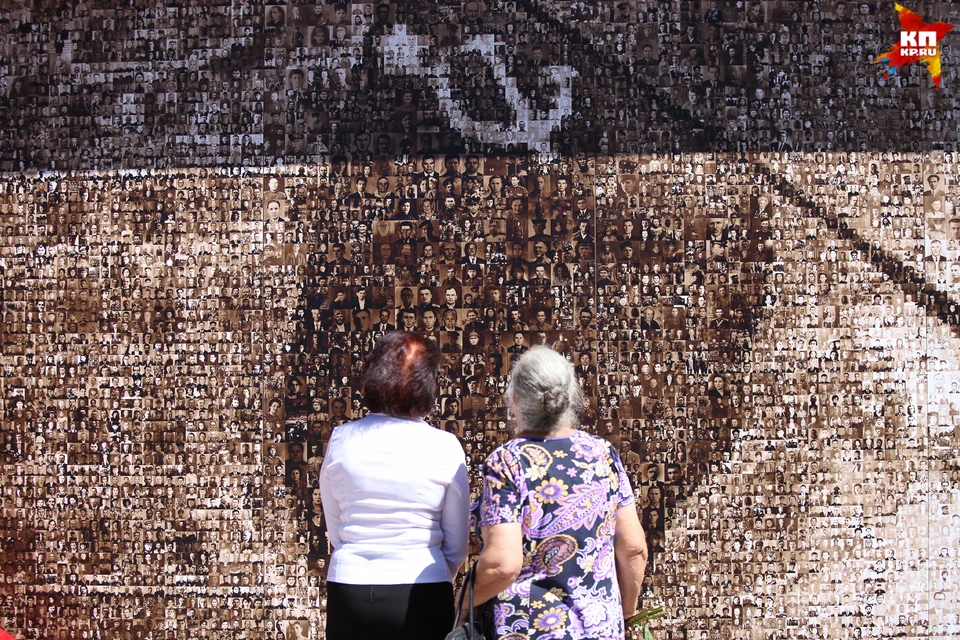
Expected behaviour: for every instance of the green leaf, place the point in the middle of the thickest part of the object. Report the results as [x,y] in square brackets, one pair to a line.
[646,632]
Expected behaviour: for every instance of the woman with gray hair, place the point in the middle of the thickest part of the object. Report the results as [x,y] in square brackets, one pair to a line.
[563,550]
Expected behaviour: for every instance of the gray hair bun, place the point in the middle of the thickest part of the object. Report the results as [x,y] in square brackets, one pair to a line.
[556,400]
[544,392]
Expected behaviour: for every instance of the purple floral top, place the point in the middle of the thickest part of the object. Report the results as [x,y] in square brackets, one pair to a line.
[565,492]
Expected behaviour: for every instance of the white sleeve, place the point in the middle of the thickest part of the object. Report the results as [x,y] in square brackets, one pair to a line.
[331,507]
[455,517]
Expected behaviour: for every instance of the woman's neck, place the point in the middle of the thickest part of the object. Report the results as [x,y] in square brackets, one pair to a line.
[559,432]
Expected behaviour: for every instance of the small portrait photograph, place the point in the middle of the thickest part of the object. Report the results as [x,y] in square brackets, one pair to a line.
[275,16]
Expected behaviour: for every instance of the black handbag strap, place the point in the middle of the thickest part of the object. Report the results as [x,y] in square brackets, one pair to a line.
[468,585]
[473,581]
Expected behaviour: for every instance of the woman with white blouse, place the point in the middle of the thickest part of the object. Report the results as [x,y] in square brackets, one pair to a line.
[395,496]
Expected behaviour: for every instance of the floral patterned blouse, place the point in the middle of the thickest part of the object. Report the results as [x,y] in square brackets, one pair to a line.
[565,492]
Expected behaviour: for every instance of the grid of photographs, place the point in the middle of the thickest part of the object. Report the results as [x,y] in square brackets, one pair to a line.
[782,386]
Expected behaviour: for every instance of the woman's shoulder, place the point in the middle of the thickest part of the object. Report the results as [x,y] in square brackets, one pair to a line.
[499,451]
[392,431]
[583,435]
[422,435]
[576,440]
[508,452]
[368,421]
[536,451]
[589,445]
[371,424]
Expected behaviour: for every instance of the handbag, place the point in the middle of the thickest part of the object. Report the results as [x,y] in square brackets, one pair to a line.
[471,629]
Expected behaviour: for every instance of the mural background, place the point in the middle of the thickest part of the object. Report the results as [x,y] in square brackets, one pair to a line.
[742,234]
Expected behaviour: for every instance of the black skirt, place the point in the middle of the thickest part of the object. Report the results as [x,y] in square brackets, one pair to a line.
[389,612]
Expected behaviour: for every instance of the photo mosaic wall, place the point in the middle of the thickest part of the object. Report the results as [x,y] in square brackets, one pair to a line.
[742,234]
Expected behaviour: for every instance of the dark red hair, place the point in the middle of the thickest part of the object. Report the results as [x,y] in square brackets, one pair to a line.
[400,377]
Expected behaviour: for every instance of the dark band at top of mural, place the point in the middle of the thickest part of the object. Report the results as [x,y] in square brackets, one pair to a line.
[115,86]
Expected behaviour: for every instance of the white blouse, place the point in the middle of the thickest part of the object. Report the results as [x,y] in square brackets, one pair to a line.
[396,501]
